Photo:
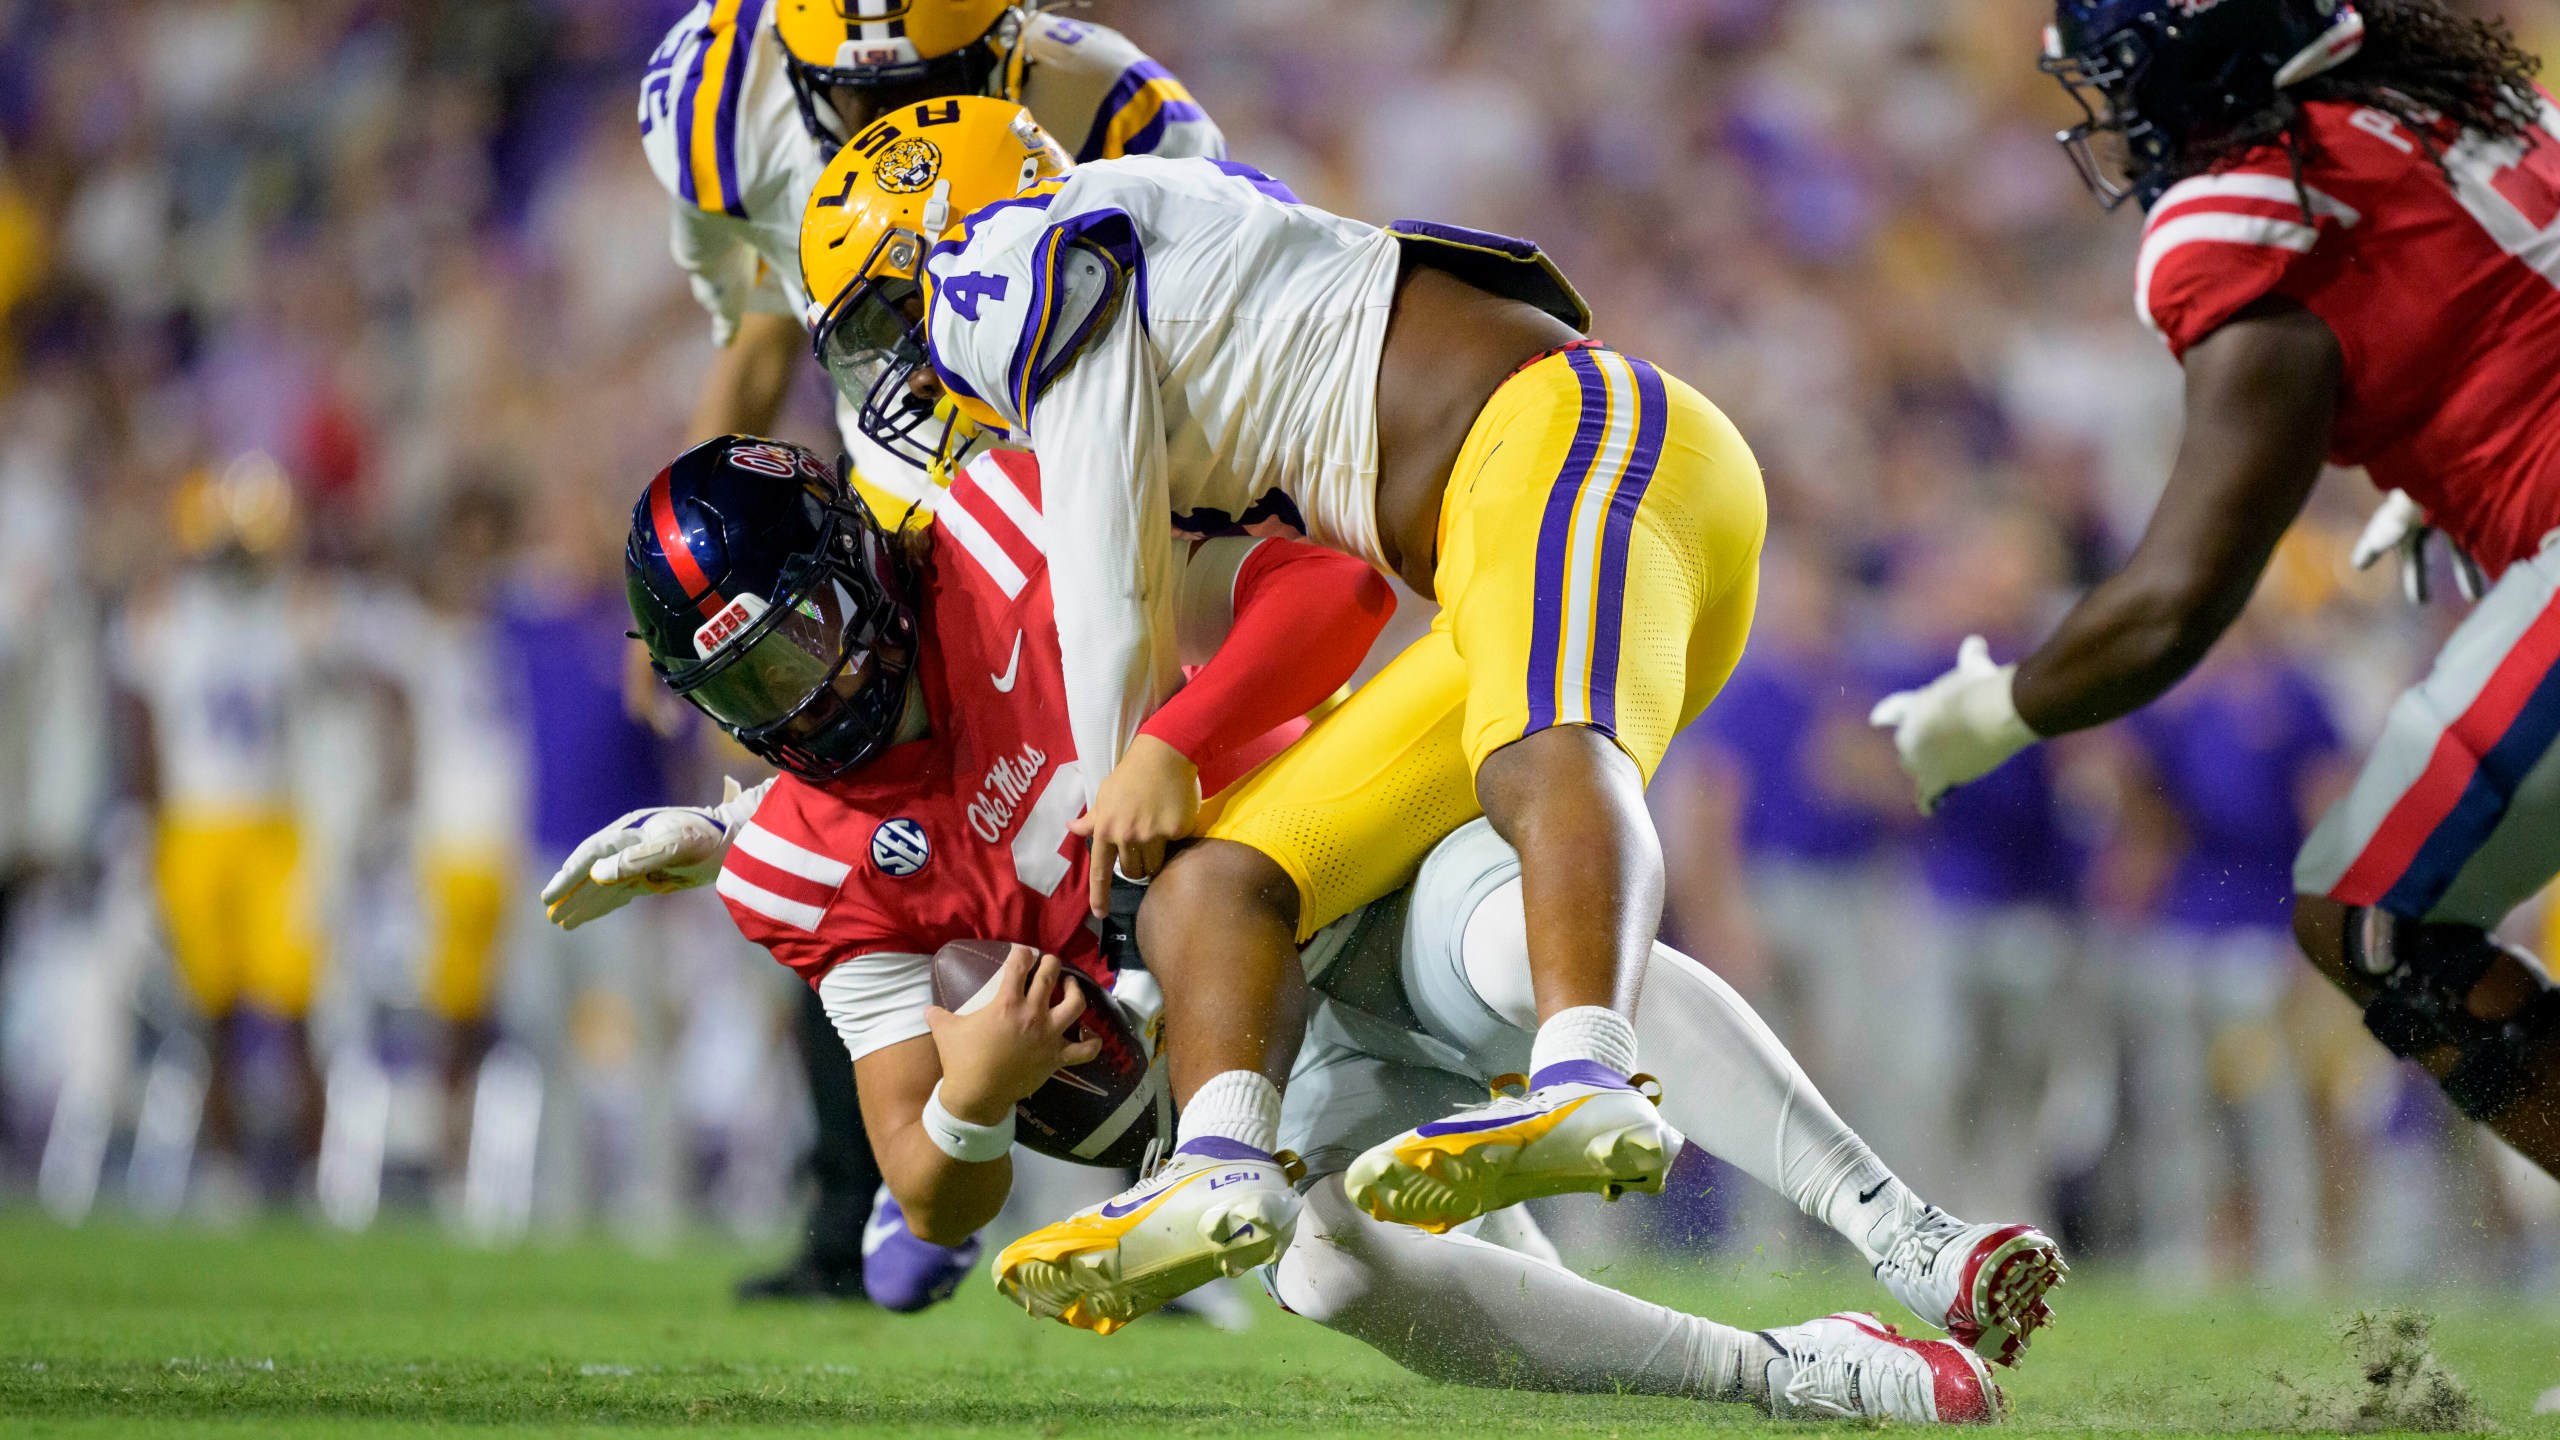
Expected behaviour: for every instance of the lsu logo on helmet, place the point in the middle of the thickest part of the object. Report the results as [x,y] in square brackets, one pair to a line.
[908,166]
[899,848]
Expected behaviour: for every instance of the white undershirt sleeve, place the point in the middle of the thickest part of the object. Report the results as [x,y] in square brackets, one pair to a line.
[1099,432]
[876,1001]
[727,275]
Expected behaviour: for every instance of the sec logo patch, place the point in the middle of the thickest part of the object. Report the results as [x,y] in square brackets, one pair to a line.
[898,847]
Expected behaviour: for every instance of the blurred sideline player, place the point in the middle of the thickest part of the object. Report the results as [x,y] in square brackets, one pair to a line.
[583,1117]
[2224,775]
[862,860]
[1993,1040]
[469,787]
[214,662]
[2349,244]
[743,104]
[1188,345]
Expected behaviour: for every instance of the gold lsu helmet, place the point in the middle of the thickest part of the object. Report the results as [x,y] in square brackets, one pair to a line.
[895,190]
[869,44]
[246,509]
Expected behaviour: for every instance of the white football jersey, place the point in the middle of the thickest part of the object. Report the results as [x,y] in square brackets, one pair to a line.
[1174,338]
[469,762]
[723,133]
[220,663]
[722,130]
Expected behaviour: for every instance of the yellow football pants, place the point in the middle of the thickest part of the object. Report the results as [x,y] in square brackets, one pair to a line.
[1599,556]
[231,899]
[466,893]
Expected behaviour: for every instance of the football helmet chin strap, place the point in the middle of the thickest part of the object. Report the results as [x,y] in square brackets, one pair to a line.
[2426,973]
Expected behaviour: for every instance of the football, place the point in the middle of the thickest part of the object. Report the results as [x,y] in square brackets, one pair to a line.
[1103,1112]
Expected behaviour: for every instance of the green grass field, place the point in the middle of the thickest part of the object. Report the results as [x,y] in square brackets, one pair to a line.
[114,1331]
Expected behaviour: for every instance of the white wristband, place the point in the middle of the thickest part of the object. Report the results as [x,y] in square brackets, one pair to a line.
[961,1139]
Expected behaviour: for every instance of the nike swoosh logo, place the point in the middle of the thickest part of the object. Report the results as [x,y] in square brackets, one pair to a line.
[1113,1209]
[1012,668]
[1438,1128]
[1868,1196]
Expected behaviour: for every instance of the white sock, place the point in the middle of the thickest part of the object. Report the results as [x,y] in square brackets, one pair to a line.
[1733,1088]
[1459,1310]
[1729,1084]
[1237,1105]
[1586,1032]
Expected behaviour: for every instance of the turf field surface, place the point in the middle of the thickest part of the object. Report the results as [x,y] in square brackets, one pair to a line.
[110,1330]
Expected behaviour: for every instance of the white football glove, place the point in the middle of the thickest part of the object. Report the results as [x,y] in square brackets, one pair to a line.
[2400,523]
[1958,727]
[654,851]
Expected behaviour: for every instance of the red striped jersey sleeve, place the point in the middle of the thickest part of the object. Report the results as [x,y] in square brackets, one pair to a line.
[992,513]
[2214,244]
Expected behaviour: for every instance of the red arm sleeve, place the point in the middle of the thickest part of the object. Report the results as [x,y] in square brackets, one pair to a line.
[1304,617]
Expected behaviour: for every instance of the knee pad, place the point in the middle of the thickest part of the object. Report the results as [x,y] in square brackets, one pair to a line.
[2426,972]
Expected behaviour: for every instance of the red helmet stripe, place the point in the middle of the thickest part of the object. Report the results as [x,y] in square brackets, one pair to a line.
[677,549]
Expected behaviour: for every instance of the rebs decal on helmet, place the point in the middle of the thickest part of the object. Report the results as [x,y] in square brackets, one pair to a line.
[723,627]
[898,847]
[908,166]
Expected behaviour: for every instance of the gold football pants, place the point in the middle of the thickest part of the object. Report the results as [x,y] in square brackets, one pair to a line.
[1599,555]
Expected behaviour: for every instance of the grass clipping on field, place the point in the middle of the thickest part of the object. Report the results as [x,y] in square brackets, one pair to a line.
[2399,1382]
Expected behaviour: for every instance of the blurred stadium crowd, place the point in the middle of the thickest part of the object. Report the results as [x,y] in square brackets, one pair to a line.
[336,335]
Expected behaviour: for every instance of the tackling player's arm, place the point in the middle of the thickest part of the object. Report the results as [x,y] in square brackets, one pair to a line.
[974,1069]
[1281,625]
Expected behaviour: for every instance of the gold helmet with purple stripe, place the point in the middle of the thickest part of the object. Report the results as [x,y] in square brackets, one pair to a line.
[921,48]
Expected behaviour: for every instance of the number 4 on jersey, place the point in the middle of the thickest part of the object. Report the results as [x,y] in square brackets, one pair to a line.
[964,292]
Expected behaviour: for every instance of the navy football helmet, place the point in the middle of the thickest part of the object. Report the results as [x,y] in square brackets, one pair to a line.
[770,599]
[2156,72]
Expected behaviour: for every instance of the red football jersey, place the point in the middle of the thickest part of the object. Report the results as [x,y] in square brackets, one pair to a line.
[962,834]
[2444,296]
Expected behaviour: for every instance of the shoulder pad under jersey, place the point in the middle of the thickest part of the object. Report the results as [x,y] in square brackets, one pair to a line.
[1014,304]
[1102,95]
[1498,264]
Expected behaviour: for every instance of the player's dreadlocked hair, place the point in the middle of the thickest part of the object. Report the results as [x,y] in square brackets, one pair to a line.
[2434,71]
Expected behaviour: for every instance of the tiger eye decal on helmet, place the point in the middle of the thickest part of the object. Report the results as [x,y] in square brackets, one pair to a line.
[908,166]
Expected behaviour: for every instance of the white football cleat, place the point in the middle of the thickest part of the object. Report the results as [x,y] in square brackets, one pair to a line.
[1583,1131]
[1215,1208]
[1852,1366]
[1983,1284]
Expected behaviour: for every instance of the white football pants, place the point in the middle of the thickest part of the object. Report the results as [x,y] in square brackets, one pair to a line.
[1465,1310]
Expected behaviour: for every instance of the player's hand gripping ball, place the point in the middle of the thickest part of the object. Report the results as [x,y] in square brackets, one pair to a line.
[1010,1018]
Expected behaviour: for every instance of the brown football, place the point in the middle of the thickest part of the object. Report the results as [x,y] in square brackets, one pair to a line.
[1103,1112]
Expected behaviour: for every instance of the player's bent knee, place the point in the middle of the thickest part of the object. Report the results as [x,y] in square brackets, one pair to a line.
[1326,1272]
[1572,784]
[2417,982]
[1214,883]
